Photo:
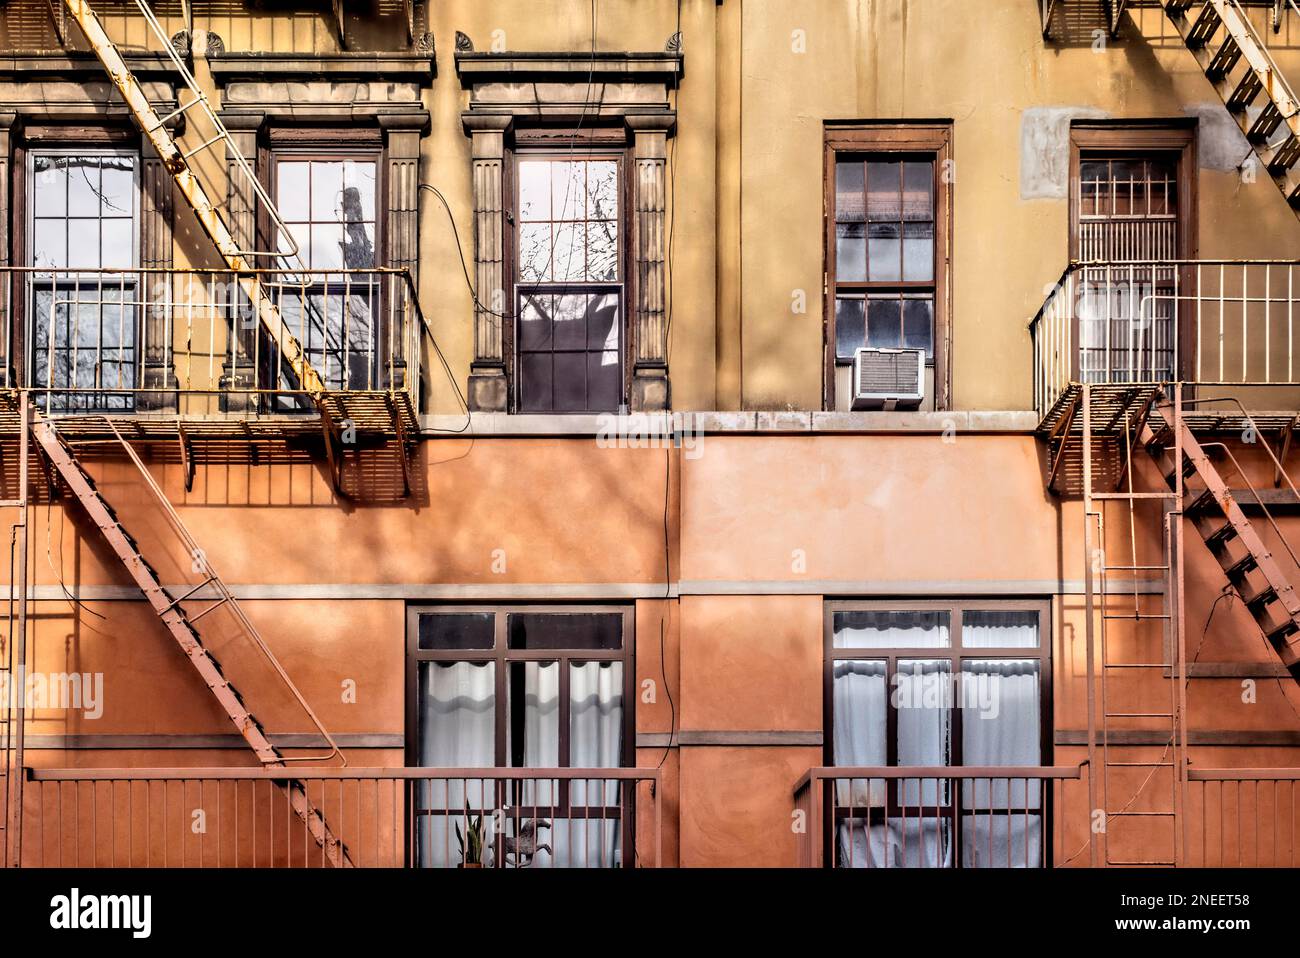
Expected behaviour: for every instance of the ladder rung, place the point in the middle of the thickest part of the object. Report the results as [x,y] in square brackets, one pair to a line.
[203,146]
[1136,665]
[1167,715]
[1225,58]
[1285,156]
[1140,814]
[1136,616]
[1139,764]
[1266,124]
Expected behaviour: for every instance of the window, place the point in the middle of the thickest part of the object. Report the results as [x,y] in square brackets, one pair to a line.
[937,684]
[328,205]
[886,247]
[83,236]
[526,687]
[569,284]
[1131,202]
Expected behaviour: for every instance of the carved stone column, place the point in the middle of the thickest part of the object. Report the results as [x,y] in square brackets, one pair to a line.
[402,239]
[650,385]
[238,371]
[157,370]
[488,383]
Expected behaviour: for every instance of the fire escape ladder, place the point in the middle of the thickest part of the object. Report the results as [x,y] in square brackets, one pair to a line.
[1246,559]
[177,162]
[180,625]
[1134,646]
[1239,66]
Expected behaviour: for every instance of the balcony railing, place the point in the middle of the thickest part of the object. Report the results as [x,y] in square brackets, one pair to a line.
[386,817]
[189,342]
[1243,818]
[928,817]
[1217,323]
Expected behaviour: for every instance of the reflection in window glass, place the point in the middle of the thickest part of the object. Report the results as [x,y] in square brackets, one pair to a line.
[884,629]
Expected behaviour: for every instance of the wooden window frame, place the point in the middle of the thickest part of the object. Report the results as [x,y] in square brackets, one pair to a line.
[503,656]
[1175,137]
[569,143]
[932,137]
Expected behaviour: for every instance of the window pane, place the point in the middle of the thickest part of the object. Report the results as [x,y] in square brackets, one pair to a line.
[1001,725]
[884,323]
[453,631]
[50,187]
[579,631]
[326,190]
[291,190]
[535,252]
[849,187]
[602,322]
[884,253]
[118,244]
[918,324]
[49,246]
[923,698]
[860,698]
[884,185]
[83,244]
[595,726]
[918,191]
[117,185]
[535,321]
[918,252]
[850,252]
[602,190]
[359,182]
[533,717]
[602,251]
[570,254]
[83,185]
[570,325]
[568,190]
[883,629]
[999,629]
[850,325]
[457,714]
[534,190]
[604,380]
[570,382]
[535,382]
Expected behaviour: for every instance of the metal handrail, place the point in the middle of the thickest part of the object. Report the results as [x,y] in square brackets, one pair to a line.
[350,773]
[832,772]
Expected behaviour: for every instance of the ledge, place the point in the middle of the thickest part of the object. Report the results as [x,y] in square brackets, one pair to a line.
[259,66]
[484,67]
[81,66]
[1013,422]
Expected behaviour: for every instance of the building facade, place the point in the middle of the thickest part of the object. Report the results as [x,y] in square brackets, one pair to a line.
[687,433]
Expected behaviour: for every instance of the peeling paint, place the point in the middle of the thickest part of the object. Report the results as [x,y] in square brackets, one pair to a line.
[1220,144]
[1045,149]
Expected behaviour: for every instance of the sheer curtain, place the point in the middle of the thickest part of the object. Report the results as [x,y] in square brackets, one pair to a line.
[595,741]
[457,705]
[1001,715]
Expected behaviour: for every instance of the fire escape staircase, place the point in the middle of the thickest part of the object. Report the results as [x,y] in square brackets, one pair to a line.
[1240,68]
[180,624]
[1246,559]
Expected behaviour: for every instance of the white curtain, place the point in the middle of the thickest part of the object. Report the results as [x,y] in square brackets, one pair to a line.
[881,629]
[595,741]
[457,727]
[859,696]
[999,629]
[902,842]
[1001,716]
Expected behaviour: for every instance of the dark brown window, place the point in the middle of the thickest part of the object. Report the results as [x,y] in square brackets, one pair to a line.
[887,245]
[961,683]
[525,687]
[569,282]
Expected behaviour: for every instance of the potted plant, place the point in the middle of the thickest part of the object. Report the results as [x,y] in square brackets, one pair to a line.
[472,840]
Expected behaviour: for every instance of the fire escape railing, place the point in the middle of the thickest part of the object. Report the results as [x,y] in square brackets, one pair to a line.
[1211,322]
[188,342]
[387,817]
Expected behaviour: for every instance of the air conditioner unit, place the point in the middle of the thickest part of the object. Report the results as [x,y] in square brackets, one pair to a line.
[888,378]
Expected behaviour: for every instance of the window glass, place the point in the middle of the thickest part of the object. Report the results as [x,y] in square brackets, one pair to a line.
[448,631]
[577,631]
[329,206]
[882,629]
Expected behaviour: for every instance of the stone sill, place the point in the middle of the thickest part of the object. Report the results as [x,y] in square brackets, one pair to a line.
[79,66]
[1013,422]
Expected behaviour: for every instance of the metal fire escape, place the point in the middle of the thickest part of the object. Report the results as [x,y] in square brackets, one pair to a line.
[180,622]
[1096,434]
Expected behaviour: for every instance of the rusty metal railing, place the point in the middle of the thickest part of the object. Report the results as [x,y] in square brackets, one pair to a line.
[1210,322]
[188,341]
[1243,817]
[928,817]
[387,817]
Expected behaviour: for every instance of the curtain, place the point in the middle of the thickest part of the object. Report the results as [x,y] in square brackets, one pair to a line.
[1001,716]
[457,729]
[999,629]
[595,741]
[859,701]
[881,629]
